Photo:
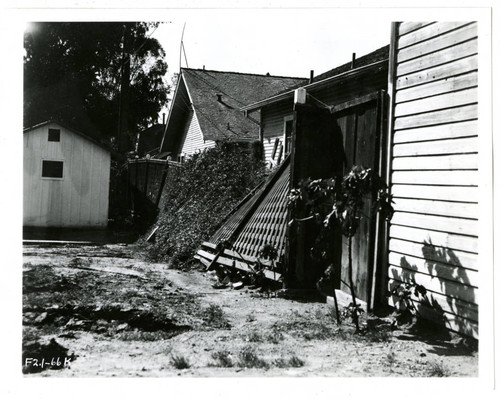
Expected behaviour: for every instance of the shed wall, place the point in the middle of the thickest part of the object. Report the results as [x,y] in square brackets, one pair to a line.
[434,169]
[80,198]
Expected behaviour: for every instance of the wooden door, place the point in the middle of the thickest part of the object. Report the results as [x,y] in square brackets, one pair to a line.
[328,142]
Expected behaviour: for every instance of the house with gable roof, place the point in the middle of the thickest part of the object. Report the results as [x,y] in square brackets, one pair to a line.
[206,108]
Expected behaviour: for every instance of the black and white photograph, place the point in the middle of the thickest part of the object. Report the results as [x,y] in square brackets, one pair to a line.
[250,190]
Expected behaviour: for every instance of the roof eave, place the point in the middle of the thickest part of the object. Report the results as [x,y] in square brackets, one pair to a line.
[313,85]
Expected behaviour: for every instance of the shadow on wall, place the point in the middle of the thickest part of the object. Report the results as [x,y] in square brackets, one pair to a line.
[449,289]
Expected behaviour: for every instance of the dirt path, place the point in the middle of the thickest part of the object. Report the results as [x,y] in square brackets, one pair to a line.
[121,316]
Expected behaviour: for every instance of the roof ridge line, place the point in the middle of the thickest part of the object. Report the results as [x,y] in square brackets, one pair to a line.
[242,73]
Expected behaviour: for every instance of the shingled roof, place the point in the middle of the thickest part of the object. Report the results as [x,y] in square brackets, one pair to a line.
[379,55]
[218,96]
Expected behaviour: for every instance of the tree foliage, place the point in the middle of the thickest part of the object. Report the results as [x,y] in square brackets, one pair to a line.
[200,195]
[72,72]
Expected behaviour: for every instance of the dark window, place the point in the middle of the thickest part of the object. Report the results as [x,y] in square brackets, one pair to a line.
[54,135]
[52,169]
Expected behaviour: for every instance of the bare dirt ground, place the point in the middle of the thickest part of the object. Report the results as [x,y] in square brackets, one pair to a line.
[103,311]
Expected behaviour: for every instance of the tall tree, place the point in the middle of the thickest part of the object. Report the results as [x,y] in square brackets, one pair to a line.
[73,71]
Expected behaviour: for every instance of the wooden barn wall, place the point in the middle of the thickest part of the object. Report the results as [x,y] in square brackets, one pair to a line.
[193,136]
[434,171]
[80,198]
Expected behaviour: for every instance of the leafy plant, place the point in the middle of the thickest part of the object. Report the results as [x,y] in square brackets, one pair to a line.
[292,362]
[339,203]
[405,292]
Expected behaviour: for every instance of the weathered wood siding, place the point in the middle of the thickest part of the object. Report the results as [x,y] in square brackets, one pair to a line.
[80,198]
[193,137]
[434,170]
[273,117]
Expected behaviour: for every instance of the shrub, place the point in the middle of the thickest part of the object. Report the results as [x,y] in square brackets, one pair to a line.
[248,358]
[199,195]
[215,317]
[180,362]
[223,359]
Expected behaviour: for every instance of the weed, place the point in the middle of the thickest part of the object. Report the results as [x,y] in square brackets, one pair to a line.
[215,317]
[180,362]
[391,358]
[292,362]
[251,317]
[223,359]
[255,337]
[436,369]
[248,358]
[275,336]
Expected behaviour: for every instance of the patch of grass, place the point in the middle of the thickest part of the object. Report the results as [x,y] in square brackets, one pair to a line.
[215,317]
[292,362]
[435,369]
[180,362]
[223,359]
[248,358]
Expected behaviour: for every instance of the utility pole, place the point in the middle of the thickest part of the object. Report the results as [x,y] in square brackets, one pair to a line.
[123,137]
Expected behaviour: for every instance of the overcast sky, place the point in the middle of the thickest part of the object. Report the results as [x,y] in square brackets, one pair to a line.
[283,42]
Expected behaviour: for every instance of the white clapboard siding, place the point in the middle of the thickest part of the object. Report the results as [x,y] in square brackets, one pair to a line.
[436,223]
[455,289]
[444,56]
[459,178]
[451,193]
[433,234]
[448,131]
[442,146]
[447,85]
[268,148]
[441,239]
[437,162]
[431,252]
[435,269]
[446,100]
[437,207]
[436,43]
[193,139]
[461,66]
[442,116]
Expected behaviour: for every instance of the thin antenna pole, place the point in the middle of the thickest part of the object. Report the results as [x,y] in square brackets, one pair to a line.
[181,47]
[185,57]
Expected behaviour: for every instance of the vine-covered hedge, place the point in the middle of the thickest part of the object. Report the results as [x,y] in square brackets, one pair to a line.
[200,194]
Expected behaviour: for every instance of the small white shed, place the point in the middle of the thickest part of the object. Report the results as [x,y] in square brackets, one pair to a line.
[66,178]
